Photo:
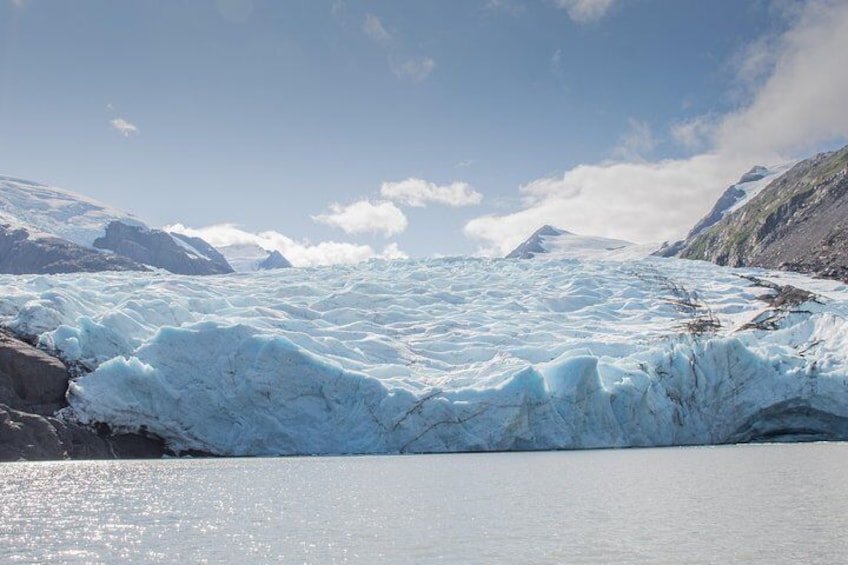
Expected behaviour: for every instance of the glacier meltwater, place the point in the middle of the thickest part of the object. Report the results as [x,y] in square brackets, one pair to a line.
[446,355]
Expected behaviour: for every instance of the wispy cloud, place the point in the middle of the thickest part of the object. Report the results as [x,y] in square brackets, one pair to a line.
[416,70]
[795,109]
[418,193]
[375,29]
[404,67]
[585,11]
[556,63]
[636,143]
[365,216]
[299,253]
[123,127]
[512,7]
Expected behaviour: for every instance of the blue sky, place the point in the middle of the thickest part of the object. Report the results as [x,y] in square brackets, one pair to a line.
[343,129]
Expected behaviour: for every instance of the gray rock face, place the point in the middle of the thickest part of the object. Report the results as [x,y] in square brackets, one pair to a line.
[275,260]
[30,379]
[799,223]
[51,255]
[32,389]
[160,249]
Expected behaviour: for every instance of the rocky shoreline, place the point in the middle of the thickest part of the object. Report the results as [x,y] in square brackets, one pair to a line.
[32,389]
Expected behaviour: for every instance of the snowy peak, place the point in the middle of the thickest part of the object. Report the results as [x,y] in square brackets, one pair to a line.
[45,229]
[556,243]
[737,195]
[44,210]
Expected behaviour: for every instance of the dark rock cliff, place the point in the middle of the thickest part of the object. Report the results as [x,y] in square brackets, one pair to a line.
[32,390]
[161,249]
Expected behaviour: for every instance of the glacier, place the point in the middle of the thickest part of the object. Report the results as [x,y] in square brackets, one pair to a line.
[445,355]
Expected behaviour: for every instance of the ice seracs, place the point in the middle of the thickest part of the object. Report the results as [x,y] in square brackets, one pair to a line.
[447,355]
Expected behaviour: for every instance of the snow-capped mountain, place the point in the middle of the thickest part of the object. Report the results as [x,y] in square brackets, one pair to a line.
[555,243]
[794,221]
[45,229]
[45,210]
[247,257]
[448,355]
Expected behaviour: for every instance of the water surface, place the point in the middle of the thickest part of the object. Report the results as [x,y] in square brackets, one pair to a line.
[746,504]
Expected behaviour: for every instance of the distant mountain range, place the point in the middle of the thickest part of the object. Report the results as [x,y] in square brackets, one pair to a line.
[47,230]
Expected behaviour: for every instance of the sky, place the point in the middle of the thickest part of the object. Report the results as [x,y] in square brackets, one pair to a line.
[339,130]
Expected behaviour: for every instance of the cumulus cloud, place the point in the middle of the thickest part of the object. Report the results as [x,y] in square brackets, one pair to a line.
[585,11]
[639,202]
[375,29]
[365,216]
[795,109]
[416,70]
[299,253]
[802,101]
[418,193]
[123,127]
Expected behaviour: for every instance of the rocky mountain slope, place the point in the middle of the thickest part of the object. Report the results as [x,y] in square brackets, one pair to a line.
[799,222]
[175,253]
[22,254]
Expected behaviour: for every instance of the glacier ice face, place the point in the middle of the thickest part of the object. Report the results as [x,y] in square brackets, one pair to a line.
[443,355]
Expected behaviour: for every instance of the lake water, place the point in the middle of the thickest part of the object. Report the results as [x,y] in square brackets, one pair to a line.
[746,504]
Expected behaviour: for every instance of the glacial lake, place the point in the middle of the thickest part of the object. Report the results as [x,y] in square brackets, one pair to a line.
[780,503]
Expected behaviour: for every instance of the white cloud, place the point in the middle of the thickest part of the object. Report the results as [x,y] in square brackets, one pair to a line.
[798,107]
[18,3]
[637,143]
[418,192]
[375,29]
[639,202]
[585,11]
[365,216]
[299,253]
[802,102]
[123,127]
[416,70]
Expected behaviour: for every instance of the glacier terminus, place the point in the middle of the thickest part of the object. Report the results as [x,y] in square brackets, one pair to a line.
[447,355]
